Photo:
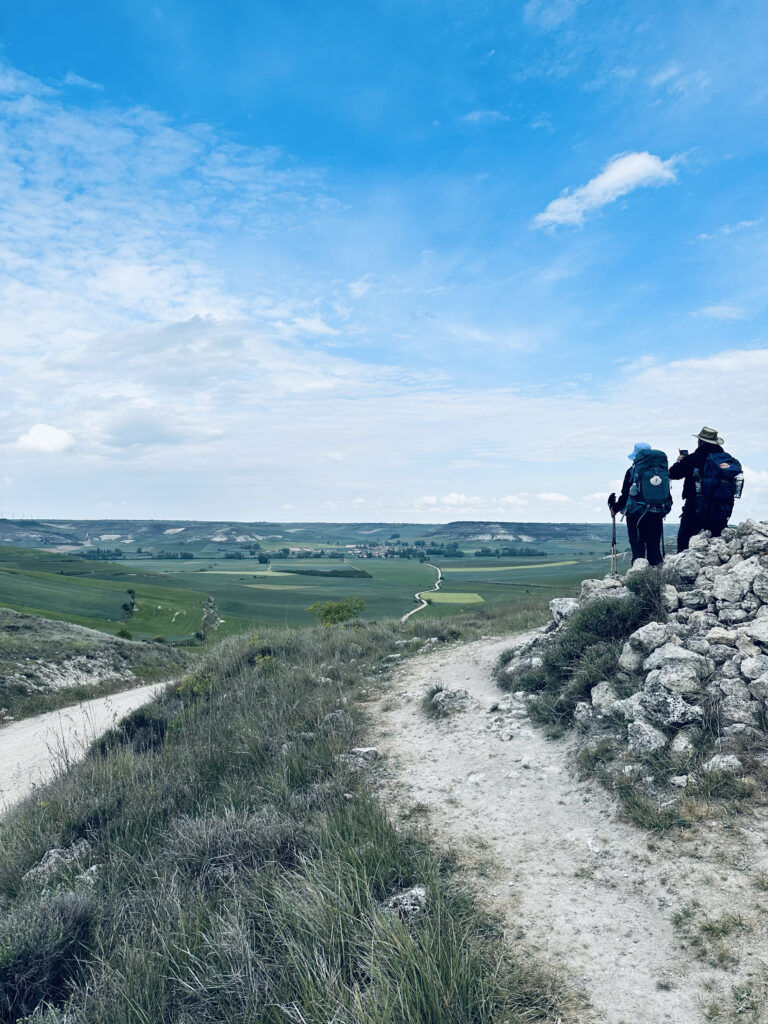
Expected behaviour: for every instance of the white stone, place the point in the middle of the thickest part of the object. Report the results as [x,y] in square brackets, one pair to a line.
[736,583]
[720,635]
[737,709]
[649,637]
[604,697]
[723,763]
[752,667]
[683,742]
[630,660]
[412,901]
[681,781]
[563,607]
[670,598]
[673,653]
[760,586]
[758,631]
[630,707]
[759,687]
[644,738]
[668,708]
[638,565]
[592,590]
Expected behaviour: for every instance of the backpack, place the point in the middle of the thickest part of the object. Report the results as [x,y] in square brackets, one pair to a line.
[719,481]
[649,487]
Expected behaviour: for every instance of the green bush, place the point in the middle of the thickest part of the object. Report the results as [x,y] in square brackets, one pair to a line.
[586,650]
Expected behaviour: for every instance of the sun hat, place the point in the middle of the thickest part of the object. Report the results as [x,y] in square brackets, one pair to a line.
[709,435]
[641,446]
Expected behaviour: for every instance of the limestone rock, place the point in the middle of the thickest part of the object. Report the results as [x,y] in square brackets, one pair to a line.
[630,660]
[563,607]
[758,631]
[56,858]
[737,709]
[723,763]
[520,667]
[649,637]
[755,666]
[732,615]
[759,687]
[583,715]
[760,586]
[735,584]
[410,902]
[644,738]
[685,740]
[720,635]
[638,565]
[630,708]
[448,702]
[681,781]
[666,708]
[734,688]
[604,697]
[670,598]
[592,590]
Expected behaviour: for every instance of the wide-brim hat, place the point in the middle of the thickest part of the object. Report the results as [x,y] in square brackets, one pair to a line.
[709,435]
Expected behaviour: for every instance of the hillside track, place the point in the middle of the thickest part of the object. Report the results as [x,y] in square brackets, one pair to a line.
[423,604]
[33,750]
[591,895]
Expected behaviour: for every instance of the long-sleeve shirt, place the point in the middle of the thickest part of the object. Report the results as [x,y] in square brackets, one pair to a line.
[621,504]
[685,469]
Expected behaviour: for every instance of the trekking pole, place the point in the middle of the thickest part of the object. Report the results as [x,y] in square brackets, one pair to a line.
[613,543]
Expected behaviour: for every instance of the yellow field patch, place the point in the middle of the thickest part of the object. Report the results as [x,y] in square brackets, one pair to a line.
[234,572]
[446,597]
[275,586]
[511,568]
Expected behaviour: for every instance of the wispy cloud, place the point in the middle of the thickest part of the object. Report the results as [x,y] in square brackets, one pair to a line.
[553,496]
[83,83]
[549,14]
[621,175]
[721,311]
[679,82]
[481,117]
[728,229]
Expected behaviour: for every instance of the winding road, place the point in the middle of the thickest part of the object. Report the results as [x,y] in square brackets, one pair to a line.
[431,590]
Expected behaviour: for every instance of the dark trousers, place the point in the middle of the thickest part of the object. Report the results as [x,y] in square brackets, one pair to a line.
[692,523]
[644,529]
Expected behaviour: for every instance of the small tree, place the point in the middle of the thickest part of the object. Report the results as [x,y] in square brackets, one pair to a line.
[329,613]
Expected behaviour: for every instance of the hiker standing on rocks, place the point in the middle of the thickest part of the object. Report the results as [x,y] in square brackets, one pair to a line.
[712,479]
[645,499]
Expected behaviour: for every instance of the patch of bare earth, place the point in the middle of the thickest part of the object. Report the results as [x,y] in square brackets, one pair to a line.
[650,929]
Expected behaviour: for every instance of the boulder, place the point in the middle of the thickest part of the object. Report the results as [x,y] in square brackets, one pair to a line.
[679,678]
[731,615]
[563,607]
[670,598]
[645,738]
[649,637]
[681,781]
[666,708]
[673,653]
[56,858]
[683,568]
[630,708]
[583,715]
[695,599]
[733,688]
[737,582]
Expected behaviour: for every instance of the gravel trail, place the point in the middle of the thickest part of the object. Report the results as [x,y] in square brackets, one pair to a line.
[33,749]
[590,894]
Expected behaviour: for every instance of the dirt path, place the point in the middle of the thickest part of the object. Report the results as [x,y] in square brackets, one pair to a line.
[430,590]
[591,894]
[32,750]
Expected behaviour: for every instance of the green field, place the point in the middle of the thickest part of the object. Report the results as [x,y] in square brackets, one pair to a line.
[244,593]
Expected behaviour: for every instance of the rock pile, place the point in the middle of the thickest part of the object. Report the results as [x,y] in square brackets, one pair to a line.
[704,667]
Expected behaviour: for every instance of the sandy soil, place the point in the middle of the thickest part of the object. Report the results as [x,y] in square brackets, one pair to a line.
[33,749]
[593,896]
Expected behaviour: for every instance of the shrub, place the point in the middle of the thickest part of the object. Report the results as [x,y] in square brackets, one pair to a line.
[41,943]
[330,613]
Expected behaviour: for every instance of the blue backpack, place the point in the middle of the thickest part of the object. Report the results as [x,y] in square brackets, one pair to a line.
[718,483]
[649,488]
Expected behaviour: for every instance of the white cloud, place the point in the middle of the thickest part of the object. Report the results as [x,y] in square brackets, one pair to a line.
[721,311]
[84,83]
[478,117]
[549,14]
[728,229]
[314,325]
[679,82]
[554,497]
[360,287]
[621,175]
[44,438]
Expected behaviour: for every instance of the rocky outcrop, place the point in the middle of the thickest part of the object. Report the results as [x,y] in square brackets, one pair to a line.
[703,667]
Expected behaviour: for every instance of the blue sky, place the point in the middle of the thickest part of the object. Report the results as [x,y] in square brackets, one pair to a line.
[395,260]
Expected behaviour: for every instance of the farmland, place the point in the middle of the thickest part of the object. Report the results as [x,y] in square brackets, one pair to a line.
[207,580]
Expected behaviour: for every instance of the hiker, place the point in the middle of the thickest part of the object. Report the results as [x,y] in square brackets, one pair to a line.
[645,500]
[712,479]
